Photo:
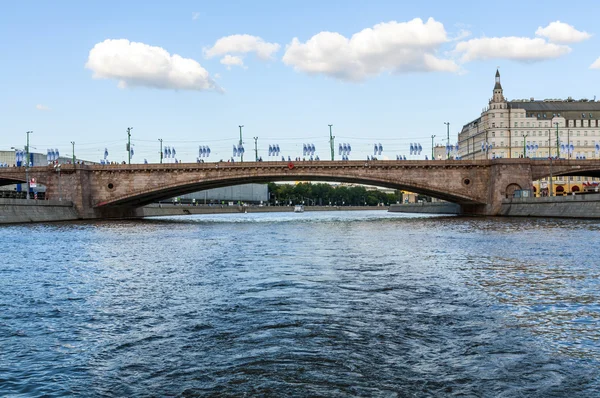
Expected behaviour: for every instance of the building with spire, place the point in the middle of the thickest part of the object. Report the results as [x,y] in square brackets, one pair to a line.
[557,128]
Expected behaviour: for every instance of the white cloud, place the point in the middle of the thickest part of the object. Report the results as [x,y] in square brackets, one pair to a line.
[560,32]
[522,49]
[596,64]
[242,44]
[195,16]
[387,47]
[231,60]
[41,107]
[217,75]
[138,64]
[462,34]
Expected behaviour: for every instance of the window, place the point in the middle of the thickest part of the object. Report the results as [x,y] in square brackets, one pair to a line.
[583,115]
[522,124]
[516,124]
[584,143]
[544,115]
[493,125]
[585,133]
[501,124]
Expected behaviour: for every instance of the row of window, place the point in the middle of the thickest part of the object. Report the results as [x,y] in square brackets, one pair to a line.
[544,133]
[571,178]
[544,115]
[545,143]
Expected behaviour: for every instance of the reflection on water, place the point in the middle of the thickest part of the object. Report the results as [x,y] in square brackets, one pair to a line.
[311,304]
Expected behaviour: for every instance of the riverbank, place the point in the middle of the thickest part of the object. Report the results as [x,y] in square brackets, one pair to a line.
[426,208]
[570,206]
[155,210]
[16,211]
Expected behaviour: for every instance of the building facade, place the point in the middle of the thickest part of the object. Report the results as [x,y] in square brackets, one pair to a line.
[532,128]
[565,129]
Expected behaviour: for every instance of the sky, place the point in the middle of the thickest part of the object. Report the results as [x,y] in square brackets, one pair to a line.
[191,72]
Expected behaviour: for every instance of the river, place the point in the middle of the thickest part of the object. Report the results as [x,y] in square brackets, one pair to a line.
[328,304]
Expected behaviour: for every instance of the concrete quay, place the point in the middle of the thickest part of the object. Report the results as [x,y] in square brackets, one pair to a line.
[585,206]
[426,208]
[17,211]
[570,206]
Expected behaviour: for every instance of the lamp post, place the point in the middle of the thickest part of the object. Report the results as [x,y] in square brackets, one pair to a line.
[525,135]
[129,144]
[557,143]
[474,140]
[551,187]
[161,152]
[27,165]
[73,144]
[331,137]
[568,143]
[57,168]
[241,143]
[432,155]
[448,137]
[255,149]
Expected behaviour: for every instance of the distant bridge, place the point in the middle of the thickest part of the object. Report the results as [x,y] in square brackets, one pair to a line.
[116,191]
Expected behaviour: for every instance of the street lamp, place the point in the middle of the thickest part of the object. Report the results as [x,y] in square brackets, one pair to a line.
[525,135]
[161,152]
[255,149]
[432,137]
[27,165]
[57,169]
[557,143]
[331,137]
[73,144]
[448,133]
[129,144]
[241,143]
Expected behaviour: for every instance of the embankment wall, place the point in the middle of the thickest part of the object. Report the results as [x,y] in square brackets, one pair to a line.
[15,211]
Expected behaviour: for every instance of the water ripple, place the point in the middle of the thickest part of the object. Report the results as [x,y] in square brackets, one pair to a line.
[313,304]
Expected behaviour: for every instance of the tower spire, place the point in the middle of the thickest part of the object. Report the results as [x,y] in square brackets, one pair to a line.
[498,86]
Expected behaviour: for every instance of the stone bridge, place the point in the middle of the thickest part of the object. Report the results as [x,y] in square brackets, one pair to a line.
[117,191]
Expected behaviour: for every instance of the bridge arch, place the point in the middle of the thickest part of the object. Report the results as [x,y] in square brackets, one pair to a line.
[115,190]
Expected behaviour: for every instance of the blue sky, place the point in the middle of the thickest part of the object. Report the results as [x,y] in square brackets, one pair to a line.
[380,87]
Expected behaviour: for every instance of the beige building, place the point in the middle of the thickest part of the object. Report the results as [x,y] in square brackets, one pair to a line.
[530,128]
[566,129]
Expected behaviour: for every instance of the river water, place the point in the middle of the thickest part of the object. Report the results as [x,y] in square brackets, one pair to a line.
[314,304]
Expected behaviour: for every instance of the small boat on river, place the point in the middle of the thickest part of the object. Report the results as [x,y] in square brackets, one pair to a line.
[299,209]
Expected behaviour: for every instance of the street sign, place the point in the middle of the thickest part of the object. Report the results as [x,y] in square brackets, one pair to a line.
[32,183]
